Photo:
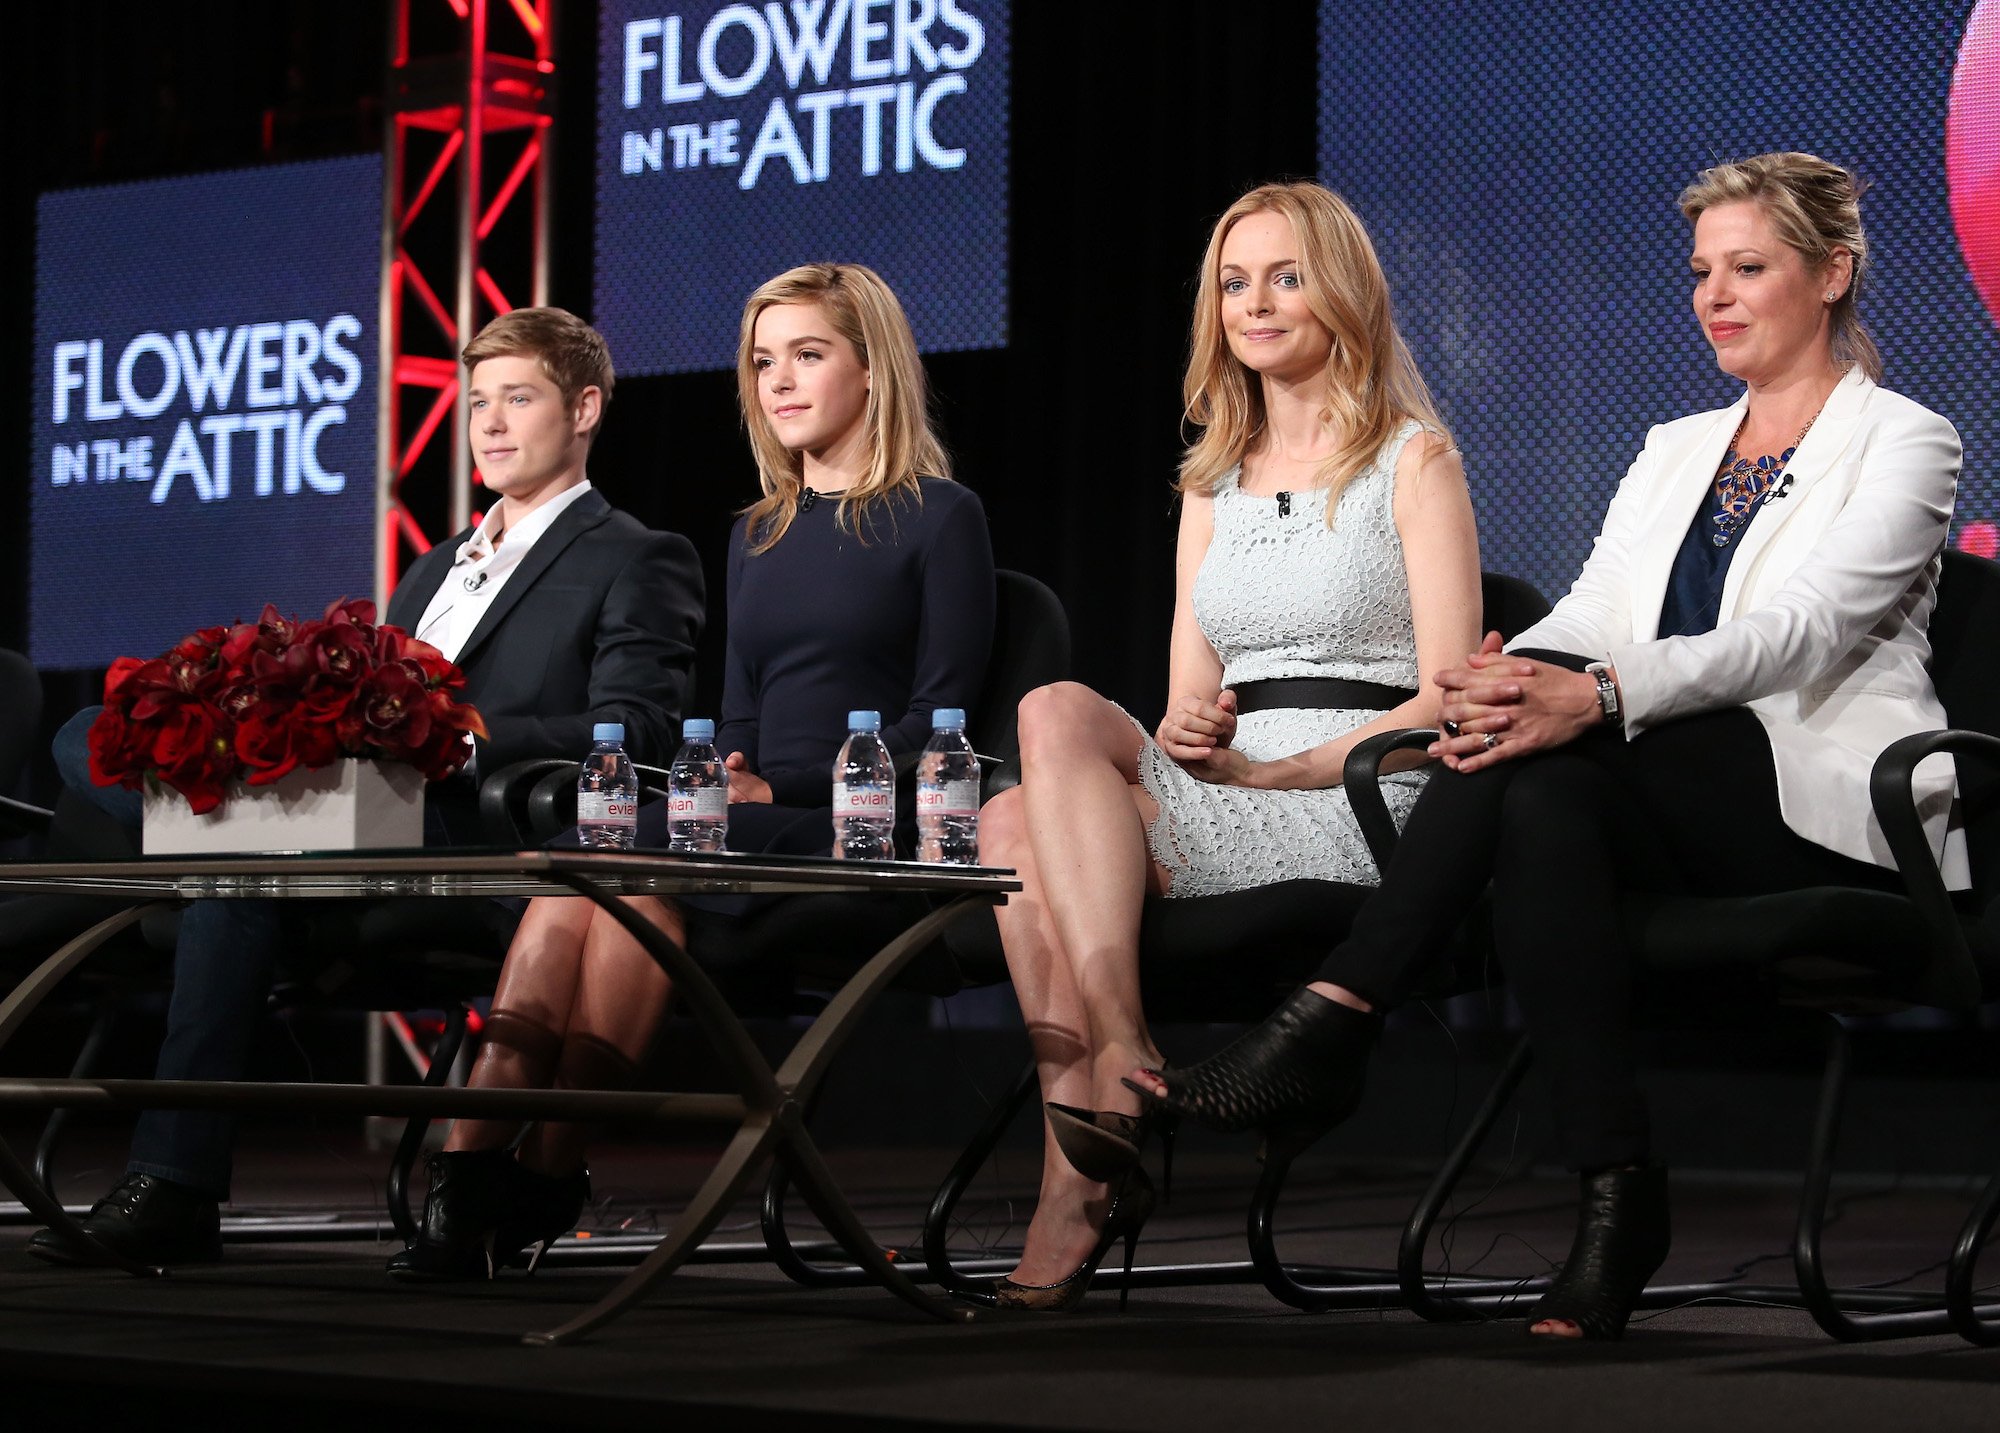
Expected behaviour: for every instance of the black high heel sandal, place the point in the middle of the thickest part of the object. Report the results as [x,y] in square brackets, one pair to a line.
[1104,1144]
[1623,1232]
[1295,1075]
[1130,1210]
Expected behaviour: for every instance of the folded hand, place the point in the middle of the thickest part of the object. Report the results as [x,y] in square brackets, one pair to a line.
[1193,729]
[745,784]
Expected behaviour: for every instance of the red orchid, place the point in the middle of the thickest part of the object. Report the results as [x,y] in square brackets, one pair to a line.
[257,700]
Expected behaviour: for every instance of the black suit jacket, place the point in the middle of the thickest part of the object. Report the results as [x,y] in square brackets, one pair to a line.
[598,623]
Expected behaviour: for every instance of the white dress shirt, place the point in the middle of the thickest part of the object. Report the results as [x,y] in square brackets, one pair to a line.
[484,563]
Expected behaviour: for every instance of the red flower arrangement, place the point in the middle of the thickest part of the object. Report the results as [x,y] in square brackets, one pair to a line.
[258,700]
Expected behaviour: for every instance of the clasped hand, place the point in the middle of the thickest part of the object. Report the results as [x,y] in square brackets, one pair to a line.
[1198,733]
[1506,707]
[745,784]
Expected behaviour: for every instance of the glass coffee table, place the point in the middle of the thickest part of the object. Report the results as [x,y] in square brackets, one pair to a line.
[766,1110]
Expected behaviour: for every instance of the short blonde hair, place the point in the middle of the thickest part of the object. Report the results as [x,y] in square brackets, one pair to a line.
[1815,205]
[568,350]
[1372,383]
[901,444]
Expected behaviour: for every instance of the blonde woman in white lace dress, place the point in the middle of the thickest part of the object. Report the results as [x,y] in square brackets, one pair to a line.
[1321,621]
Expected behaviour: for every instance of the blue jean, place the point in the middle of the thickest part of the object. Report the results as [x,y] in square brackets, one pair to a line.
[222,974]
[223,963]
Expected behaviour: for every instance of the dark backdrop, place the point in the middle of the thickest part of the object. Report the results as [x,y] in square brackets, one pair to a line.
[1134,126]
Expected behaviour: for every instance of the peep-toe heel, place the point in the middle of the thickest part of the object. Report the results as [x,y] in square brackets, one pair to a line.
[1127,1217]
[1623,1232]
[1301,1070]
[1103,1144]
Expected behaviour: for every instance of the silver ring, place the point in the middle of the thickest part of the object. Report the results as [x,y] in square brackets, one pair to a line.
[1490,740]
[1450,728]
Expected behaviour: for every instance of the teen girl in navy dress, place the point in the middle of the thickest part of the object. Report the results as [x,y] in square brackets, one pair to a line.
[861,578]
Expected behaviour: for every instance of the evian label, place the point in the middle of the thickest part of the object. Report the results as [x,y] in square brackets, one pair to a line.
[862,800]
[601,808]
[949,798]
[707,803]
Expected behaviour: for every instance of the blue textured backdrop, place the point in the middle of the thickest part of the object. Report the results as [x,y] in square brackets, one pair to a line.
[679,249]
[1518,165]
[114,573]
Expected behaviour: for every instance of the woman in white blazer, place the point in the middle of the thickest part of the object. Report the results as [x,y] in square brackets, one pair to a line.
[1700,712]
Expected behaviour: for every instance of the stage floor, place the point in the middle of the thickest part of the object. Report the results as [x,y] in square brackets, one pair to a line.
[306,1333]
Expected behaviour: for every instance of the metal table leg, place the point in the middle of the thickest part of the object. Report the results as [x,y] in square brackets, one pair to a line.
[772,1122]
[22,1002]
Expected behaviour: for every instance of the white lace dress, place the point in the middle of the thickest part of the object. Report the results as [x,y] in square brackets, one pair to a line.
[1289,597]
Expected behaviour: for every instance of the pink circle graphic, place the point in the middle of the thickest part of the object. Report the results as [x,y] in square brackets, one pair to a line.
[1972,151]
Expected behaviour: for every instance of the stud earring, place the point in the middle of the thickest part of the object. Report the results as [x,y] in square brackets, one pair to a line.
[1831,295]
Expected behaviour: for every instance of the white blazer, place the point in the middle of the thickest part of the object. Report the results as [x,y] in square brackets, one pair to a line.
[1825,610]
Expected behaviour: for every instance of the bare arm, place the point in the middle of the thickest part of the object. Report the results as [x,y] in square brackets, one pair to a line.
[1196,722]
[1441,562]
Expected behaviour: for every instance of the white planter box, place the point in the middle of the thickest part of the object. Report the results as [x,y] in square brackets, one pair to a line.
[348,806]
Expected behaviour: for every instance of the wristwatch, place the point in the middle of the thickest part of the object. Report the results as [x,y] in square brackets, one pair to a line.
[1607,695]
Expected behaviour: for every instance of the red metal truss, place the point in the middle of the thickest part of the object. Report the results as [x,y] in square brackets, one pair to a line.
[470,96]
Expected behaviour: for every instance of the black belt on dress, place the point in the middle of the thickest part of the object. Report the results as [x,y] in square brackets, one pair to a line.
[1318,693]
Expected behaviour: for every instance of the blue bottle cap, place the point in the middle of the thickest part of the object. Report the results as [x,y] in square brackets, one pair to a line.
[864,721]
[608,731]
[697,729]
[948,719]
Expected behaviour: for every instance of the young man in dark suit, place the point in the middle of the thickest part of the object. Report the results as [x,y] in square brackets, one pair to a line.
[562,612]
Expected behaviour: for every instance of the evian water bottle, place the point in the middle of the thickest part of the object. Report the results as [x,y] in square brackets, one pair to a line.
[948,793]
[864,793]
[607,792]
[697,791]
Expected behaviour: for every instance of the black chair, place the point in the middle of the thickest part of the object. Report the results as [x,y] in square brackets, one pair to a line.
[1226,959]
[20,727]
[1831,953]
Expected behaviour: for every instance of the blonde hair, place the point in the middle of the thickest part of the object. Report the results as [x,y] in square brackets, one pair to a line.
[901,445]
[1372,384]
[1815,205]
[569,351]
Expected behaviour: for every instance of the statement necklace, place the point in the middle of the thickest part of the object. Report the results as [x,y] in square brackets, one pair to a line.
[1742,485]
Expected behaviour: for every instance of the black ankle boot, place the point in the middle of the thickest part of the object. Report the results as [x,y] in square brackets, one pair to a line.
[1622,1235]
[462,1213]
[1301,1071]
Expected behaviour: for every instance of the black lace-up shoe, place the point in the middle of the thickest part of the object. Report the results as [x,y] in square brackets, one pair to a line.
[148,1220]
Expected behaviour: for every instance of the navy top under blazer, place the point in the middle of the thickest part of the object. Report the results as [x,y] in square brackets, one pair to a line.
[896,617]
[1701,567]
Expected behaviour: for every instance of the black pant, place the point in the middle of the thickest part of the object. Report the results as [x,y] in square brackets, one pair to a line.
[1691,806]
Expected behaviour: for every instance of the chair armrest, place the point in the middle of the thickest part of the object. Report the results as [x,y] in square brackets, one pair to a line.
[551,803]
[21,819]
[518,801]
[503,799]
[989,771]
[1952,979]
[997,774]
[1362,775]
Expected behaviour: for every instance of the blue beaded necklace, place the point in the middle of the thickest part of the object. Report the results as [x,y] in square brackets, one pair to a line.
[1742,485]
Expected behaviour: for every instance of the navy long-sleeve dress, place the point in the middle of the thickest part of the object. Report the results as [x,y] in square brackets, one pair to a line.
[895,617]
